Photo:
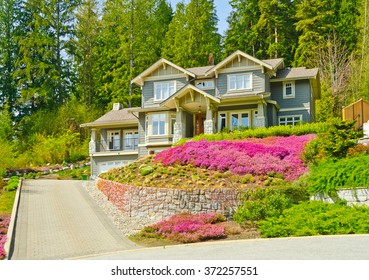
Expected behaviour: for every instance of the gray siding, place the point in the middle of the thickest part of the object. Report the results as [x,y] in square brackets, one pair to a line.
[258,82]
[148,91]
[272,118]
[302,94]
[267,83]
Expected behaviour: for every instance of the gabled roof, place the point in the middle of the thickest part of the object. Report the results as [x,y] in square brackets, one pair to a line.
[233,56]
[296,73]
[183,91]
[275,62]
[200,71]
[113,118]
[139,79]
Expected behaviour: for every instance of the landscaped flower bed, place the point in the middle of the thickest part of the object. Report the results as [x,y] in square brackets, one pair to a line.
[4,224]
[187,228]
[251,156]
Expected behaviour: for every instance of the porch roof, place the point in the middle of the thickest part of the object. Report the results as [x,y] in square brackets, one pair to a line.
[114,118]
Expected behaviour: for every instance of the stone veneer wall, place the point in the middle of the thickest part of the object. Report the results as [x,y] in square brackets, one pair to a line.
[158,203]
[352,196]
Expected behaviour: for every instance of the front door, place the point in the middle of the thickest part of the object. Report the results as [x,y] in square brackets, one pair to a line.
[199,123]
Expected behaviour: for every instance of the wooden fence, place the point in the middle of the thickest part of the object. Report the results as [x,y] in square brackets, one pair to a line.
[358,111]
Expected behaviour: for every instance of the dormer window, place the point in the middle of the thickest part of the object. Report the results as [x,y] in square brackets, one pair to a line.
[288,89]
[239,82]
[163,90]
[205,84]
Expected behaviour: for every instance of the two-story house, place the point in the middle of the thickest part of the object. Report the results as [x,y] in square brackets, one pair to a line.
[239,92]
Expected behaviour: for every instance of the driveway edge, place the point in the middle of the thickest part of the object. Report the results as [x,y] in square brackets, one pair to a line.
[8,246]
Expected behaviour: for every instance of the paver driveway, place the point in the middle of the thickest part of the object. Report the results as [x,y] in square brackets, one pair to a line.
[58,219]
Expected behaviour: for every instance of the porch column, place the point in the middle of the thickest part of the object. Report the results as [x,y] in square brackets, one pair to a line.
[209,123]
[178,127]
[92,144]
[260,120]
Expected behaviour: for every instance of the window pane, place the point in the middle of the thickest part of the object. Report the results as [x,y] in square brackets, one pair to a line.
[155,127]
[234,120]
[245,120]
[232,82]
[222,121]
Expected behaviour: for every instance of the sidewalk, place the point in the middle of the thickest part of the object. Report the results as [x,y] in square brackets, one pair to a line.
[58,219]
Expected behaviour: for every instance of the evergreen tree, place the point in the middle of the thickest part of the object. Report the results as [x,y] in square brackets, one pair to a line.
[130,42]
[316,20]
[276,27]
[45,62]
[11,26]
[242,33]
[87,34]
[193,34]
[173,45]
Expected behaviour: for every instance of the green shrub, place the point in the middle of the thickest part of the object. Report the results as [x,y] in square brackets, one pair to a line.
[145,169]
[345,173]
[334,143]
[317,218]
[263,132]
[12,184]
[261,203]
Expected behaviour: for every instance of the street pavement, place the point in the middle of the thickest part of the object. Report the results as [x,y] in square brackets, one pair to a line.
[344,247]
[58,219]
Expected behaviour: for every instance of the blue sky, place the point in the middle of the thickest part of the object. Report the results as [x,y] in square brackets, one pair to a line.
[223,10]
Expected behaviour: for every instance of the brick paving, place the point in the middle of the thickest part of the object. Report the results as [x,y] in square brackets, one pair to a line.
[58,219]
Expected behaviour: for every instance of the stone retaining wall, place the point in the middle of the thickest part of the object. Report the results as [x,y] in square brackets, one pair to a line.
[352,196]
[158,203]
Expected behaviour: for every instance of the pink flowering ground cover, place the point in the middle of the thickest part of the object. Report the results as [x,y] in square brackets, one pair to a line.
[250,156]
[4,224]
[188,228]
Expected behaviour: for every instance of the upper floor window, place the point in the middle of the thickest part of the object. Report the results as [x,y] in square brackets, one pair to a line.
[158,124]
[239,82]
[205,84]
[288,89]
[163,90]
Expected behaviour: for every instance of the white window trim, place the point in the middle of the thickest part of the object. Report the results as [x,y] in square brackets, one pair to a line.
[241,89]
[290,116]
[164,82]
[204,81]
[167,128]
[228,114]
[109,132]
[292,89]
[133,131]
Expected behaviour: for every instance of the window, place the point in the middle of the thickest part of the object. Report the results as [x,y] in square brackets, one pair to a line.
[222,121]
[114,140]
[131,140]
[163,90]
[146,125]
[288,89]
[239,120]
[173,120]
[289,120]
[158,124]
[239,82]
[205,84]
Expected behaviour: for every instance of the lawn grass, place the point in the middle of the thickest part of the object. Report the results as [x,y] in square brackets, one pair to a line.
[7,201]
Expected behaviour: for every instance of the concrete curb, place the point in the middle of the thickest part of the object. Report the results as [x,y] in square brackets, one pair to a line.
[8,246]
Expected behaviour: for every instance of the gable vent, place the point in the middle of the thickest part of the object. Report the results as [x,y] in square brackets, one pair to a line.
[117,106]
